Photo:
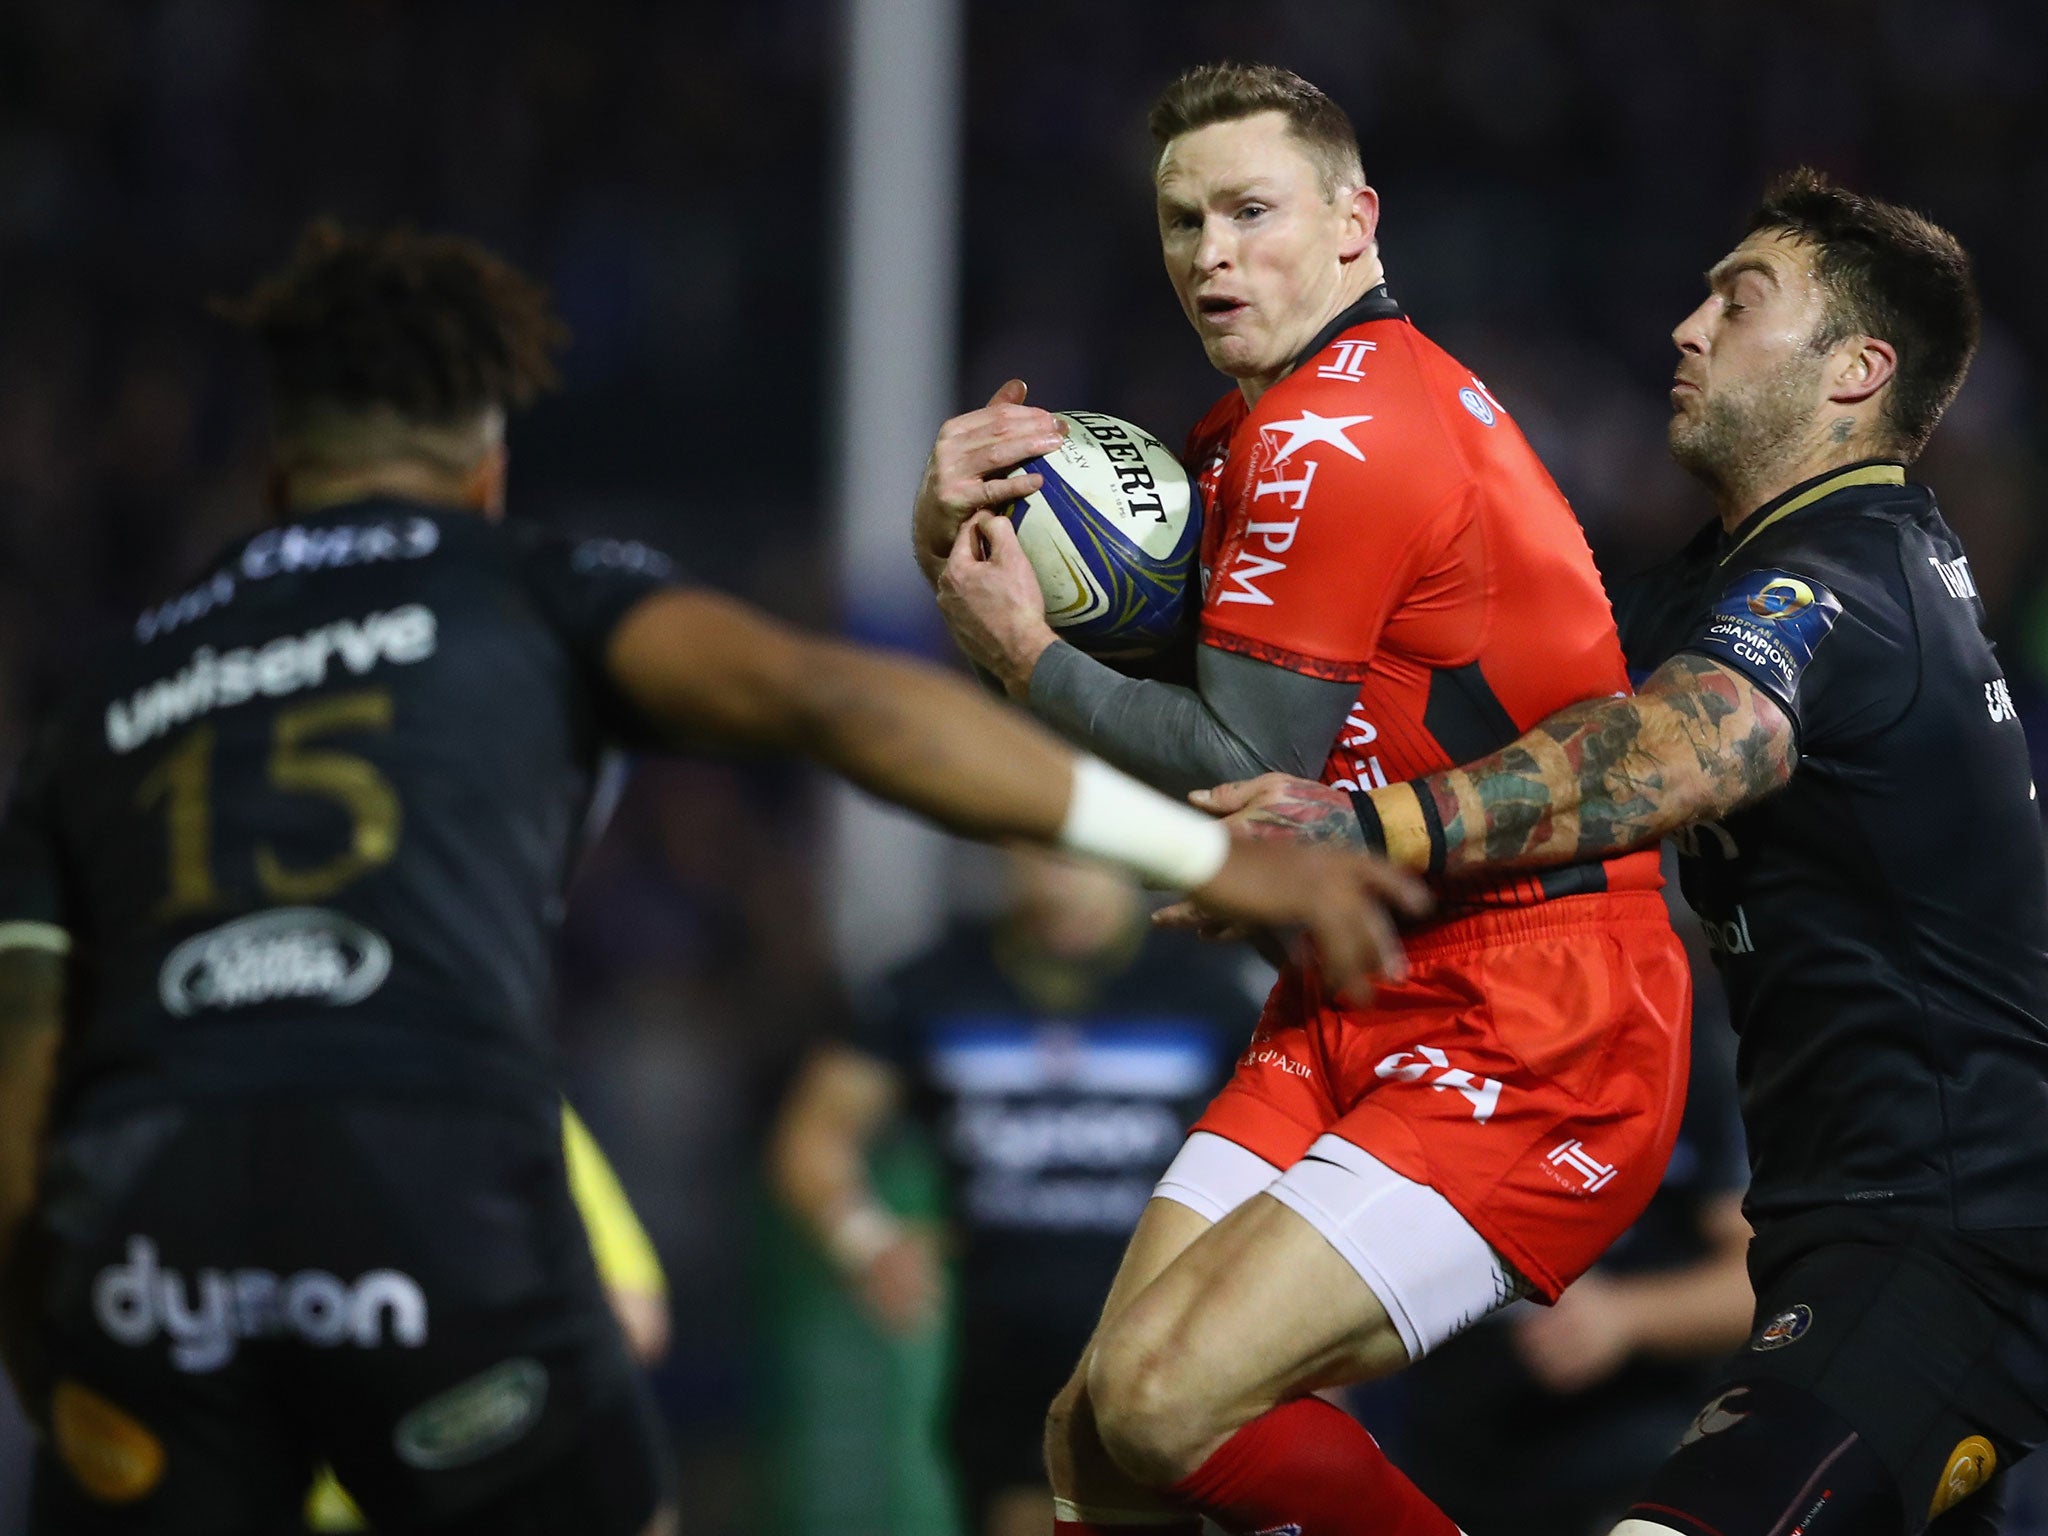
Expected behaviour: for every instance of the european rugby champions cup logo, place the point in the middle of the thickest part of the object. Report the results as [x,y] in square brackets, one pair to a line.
[1781,598]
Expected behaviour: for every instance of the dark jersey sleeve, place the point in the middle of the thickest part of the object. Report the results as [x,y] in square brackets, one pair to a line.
[584,588]
[879,1021]
[1828,634]
[33,910]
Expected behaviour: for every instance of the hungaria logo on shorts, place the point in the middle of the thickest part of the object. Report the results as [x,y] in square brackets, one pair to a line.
[1788,1327]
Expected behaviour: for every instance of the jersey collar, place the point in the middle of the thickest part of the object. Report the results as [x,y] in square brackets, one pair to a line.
[1807,492]
[1377,304]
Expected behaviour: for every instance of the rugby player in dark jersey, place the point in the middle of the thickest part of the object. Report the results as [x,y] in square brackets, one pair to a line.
[281,1170]
[1827,732]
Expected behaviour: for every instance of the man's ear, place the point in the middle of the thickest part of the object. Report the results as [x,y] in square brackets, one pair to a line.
[484,490]
[1862,365]
[1362,222]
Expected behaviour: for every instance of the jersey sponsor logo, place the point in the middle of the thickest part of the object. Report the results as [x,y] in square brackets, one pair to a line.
[1788,1327]
[1955,575]
[1767,625]
[1367,772]
[1479,401]
[285,551]
[1969,1468]
[212,680]
[1088,1134]
[1716,1418]
[113,1455]
[1285,488]
[1421,1063]
[217,591]
[1268,1056]
[1572,1156]
[1998,701]
[1349,363]
[290,952]
[1309,428]
[467,1423]
[1731,937]
[1248,568]
[621,555]
[208,1319]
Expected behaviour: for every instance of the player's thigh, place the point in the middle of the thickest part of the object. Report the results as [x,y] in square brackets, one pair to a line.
[1257,1309]
[514,1398]
[1887,1384]
[1211,1176]
[161,1422]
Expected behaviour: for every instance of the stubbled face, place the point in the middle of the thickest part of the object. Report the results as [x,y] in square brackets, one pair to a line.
[1256,253]
[1750,383]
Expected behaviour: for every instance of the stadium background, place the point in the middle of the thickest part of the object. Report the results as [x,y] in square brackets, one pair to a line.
[1555,176]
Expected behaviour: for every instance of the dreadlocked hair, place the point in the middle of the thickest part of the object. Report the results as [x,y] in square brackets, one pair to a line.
[433,329]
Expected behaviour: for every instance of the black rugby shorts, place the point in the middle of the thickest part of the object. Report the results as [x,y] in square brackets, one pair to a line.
[240,1290]
[1920,1354]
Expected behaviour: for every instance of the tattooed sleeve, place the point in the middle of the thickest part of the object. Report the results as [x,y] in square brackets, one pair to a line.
[1699,740]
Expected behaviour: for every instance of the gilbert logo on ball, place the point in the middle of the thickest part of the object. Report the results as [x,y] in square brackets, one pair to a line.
[1112,535]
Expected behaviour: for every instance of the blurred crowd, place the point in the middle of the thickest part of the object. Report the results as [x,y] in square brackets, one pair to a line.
[1554,177]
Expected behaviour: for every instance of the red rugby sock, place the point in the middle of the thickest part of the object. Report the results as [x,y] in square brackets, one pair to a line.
[1311,1468]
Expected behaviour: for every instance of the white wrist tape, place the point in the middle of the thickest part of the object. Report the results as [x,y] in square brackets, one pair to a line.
[857,1236]
[1114,817]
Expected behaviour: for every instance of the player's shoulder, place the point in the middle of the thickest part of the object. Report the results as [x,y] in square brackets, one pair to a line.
[1862,544]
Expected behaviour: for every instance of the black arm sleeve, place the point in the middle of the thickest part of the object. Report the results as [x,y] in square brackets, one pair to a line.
[1246,717]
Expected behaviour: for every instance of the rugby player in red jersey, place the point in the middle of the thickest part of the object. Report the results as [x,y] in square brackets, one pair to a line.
[1391,579]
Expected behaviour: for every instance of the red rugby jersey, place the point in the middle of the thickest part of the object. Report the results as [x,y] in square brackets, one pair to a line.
[1378,518]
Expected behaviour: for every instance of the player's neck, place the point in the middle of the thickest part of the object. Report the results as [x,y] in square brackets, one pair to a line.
[1741,493]
[303,491]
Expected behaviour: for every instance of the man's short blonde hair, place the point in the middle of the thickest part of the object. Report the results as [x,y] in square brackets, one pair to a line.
[1224,93]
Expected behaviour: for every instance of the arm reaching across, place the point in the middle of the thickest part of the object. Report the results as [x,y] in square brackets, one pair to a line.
[697,665]
[1598,778]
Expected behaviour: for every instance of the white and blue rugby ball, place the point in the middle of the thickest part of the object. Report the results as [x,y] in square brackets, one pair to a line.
[1113,535]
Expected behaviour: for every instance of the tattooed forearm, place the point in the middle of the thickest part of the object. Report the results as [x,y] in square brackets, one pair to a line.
[1307,812]
[1698,741]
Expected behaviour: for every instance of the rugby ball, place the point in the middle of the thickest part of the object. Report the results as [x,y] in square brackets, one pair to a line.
[1113,535]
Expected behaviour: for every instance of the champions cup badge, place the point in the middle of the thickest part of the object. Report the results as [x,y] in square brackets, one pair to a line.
[1782,597]
[1788,1327]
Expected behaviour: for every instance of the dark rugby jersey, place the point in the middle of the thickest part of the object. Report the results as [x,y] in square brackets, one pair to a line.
[1055,1122]
[310,822]
[1881,922]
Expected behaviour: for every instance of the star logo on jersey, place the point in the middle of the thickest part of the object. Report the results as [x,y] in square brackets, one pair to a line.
[1309,428]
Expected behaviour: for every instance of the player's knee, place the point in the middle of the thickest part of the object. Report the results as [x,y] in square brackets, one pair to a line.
[1062,1416]
[665,1522]
[1145,1409]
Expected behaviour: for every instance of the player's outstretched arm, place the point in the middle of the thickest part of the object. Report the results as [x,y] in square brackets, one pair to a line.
[706,667]
[1697,742]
